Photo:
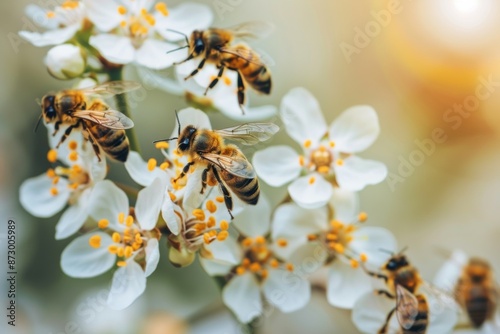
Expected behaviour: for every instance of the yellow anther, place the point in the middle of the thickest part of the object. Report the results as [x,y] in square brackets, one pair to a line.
[116,237]
[54,191]
[332,237]
[338,248]
[162,145]
[51,15]
[324,169]
[260,240]
[354,263]
[121,217]
[289,267]
[264,273]
[211,222]
[213,233]
[129,221]
[362,217]
[255,267]
[144,11]
[211,206]
[73,145]
[152,164]
[222,235]
[103,223]
[172,196]
[52,156]
[73,156]
[207,238]
[245,262]
[349,238]
[120,251]
[220,199]
[350,228]
[200,227]
[76,169]
[73,186]
[240,270]
[224,225]
[282,242]
[247,242]
[121,263]
[95,241]
[301,160]
[123,24]
[122,10]
[162,8]
[55,180]
[199,214]
[312,179]
[71,4]
[322,148]
[332,144]
[340,162]
[164,165]
[128,251]
[136,246]
[336,224]
[363,257]
[112,249]
[307,143]
[227,80]
[312,237]
[138,238]
[274,263]
[51,173]
[150,18]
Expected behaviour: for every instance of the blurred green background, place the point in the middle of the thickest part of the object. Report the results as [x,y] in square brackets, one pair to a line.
[421,62]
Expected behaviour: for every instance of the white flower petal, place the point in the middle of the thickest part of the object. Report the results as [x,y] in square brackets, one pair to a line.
[242,296]
[98,169]
[214,268]
[345,205]
[355,129]
[228,105]
[74,217]
[104,14]
[277,165]
[80,260]
[346,285]
[307,257]
[356,173]
[302,116]
[449,273]
[116,49]
[39,16]
[149,203]
[227,251]
[128,284]
[370,311]
[168,214]
[311,191]
[185,18]
[442,319]
[138,170]
[51,37]
[152,256]
[107,202]
[370,240]
[291,221]
[254,220]
[36,198]
[286,290]
[153,54]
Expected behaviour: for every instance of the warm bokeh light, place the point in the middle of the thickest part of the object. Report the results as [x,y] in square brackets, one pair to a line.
[466,6]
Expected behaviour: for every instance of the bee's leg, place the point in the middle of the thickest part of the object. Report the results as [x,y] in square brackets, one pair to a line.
[191,56]
[383,330]
[216,80]
[200,66]
[241,92]
[185,169]
[93,143]
[66,134]
[56,127]
[385,293]
[204,177]
[227,196]
[374,274]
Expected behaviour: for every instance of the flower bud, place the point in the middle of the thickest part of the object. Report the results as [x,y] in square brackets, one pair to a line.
[65,61]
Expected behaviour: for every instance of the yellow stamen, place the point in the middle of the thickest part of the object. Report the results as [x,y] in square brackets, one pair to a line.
[312,237]
[164,165]
[323,169]
[307,143]
[73,156]
[103,223]
[121,217]
[255,267]
[312,179]
[264,273]
[55,180]
[172,196]
[224,225]
[211,206]
[349,238]
[116,237]
[247,242]
[199,214]
[222,235]
[274,263]
[73,145]
[240,271]
[73,186]
[336,224]
[54,191]
[136,246]
[162,145]
[95,241]
[282,242]
[206,238]
[162,8]
[354,263]
[129,221]
[121,263]
[112,249]
[52,156]
[332,237]
[138,238]
[51,173]
[151,164]
[120,251]
[122,10]
[322,148]
[340,162]
[362,217]
[220,199]
[338,248]
[70,4]
[332,144]
[289,267]
[51,15]
[150,18]
[211,222]
[260,240]
[128,251]
[363,257]
[123,24]
[350,228]
[227,81]
[301,160]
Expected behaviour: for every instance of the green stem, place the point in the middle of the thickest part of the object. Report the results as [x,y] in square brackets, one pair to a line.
[116,74]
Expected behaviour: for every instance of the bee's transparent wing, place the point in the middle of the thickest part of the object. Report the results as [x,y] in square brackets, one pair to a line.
[112,88]
[245,53]
[112,119]
[249,133]
[446,298]
[406,307]
[252,30]
[238,166]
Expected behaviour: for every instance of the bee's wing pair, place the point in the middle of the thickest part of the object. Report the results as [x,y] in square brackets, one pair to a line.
[112,119]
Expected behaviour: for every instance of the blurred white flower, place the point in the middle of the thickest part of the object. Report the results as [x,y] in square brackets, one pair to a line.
[65,61]
[136,32]
[328,152]
[61,23]
[254,268]
[71,183]
[127,237]
[309,240]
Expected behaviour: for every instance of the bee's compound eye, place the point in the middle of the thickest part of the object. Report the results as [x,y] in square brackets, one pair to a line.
[199,46]
[184,144]
[391,265]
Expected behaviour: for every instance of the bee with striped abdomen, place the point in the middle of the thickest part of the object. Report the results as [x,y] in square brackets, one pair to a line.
[82,108]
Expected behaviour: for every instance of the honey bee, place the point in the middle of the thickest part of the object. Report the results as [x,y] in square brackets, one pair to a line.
[80,108]
[215,46]
[224,164]
[476,291]
[403,282]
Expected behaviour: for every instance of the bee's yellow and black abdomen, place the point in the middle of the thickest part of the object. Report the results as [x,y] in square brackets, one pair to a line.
[422,318]
[258,77]
[478,306]
[112,141]
[246,189]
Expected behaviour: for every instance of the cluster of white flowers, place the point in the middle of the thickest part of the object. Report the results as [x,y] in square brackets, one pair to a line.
[265,255]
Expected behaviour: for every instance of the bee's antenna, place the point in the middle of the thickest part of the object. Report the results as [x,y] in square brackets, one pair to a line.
[178,123]
[180,48]
[38,122]
[386,251]
[180,33]
[403,250]
[160,140]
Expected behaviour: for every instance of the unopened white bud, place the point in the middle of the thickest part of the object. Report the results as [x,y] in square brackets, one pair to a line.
[65,61]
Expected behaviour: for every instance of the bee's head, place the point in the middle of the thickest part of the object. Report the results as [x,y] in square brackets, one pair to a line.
[396,262]
[186,138]
[197,43]
[48,109]
[478,270]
